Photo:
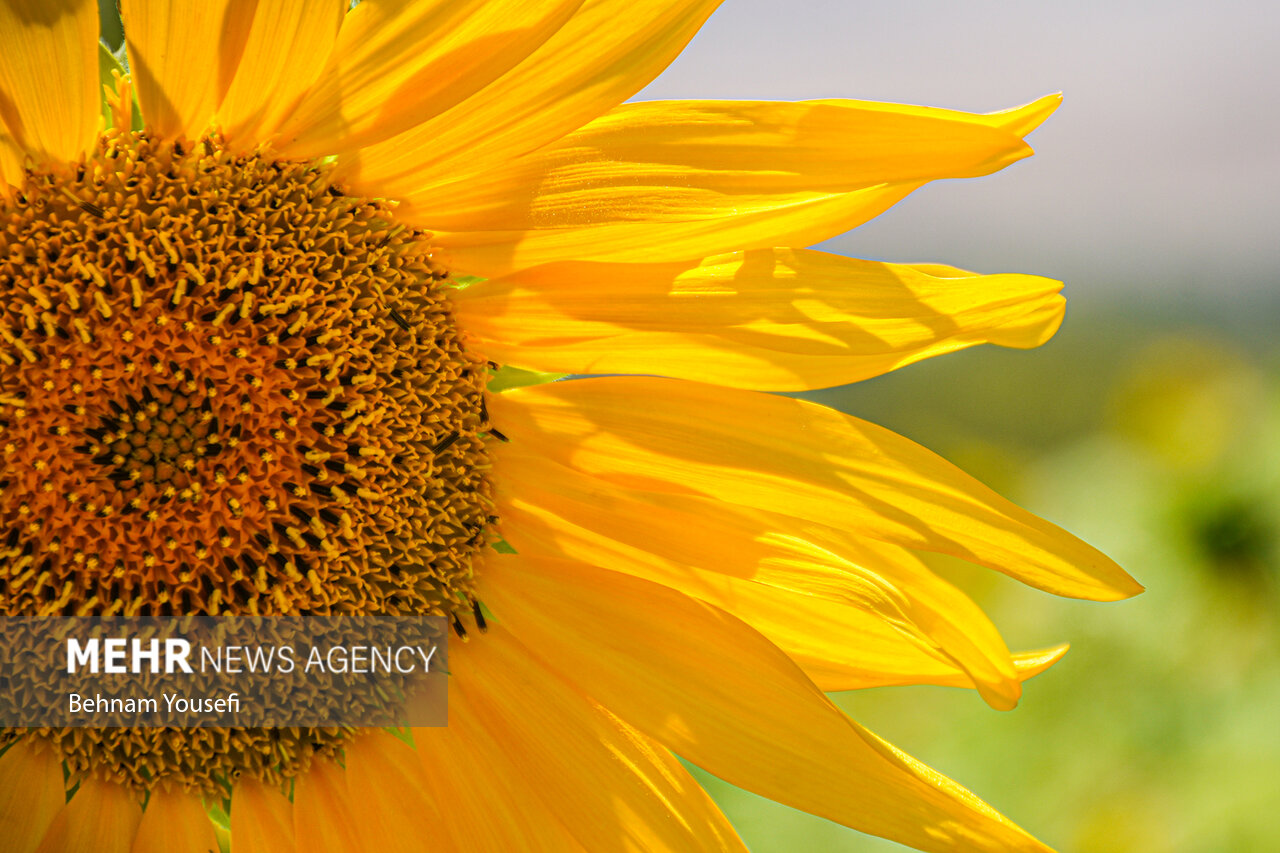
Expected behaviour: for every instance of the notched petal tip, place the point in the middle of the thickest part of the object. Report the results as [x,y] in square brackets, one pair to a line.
[1005,696]
[1026,118]
[1031,663]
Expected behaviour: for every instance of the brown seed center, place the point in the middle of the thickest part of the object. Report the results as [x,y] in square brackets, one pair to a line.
[227,386]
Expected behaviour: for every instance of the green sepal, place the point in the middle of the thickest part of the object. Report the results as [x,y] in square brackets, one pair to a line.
[505,378]
[403,733]
[220,817]
[107,63]
[110,63]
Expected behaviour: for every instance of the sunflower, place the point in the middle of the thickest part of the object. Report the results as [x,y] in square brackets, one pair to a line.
[253,306]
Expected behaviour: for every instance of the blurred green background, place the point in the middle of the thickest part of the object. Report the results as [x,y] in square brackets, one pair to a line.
[1150,426]
[1154,433]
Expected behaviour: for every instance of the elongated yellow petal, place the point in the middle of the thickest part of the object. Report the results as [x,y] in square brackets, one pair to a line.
[261,818]
[324,814]
[288,44]
[717,693]
[174,822]
[831,677]
[450,757]
[797,459]
[610,786]
[603,55]
[183,55]
[31,794]
[679,160]
[852,613]
[399,64]
[772,319]
[102,817]
[670,181]
[395,815]
[49,77]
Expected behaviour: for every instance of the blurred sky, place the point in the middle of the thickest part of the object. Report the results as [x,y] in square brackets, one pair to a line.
[1161,171]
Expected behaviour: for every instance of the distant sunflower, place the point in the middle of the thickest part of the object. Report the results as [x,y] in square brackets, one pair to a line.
[244,366]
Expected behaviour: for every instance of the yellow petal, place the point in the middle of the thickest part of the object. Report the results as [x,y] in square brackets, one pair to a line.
[399,64]
[720,695]
[324,816]
[852,613]
[1026,118]
[1027,665]
[31,793]
[12,160]
[175,822]
[1032,663]
[603,55]
[395,815]
[798,459]
[670,181]
[610,786]
[450,757]
[261,818]
[49,77]
[771,319]
[288,44]
[183,55]
[102,817]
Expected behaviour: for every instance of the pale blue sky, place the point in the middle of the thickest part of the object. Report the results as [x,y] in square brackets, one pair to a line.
[1162,168]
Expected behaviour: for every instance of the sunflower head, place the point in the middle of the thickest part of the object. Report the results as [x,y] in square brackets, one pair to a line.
[231,386]
[227,388]
[239,381]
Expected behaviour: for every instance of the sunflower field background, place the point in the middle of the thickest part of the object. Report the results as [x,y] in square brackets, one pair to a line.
[1150,425]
